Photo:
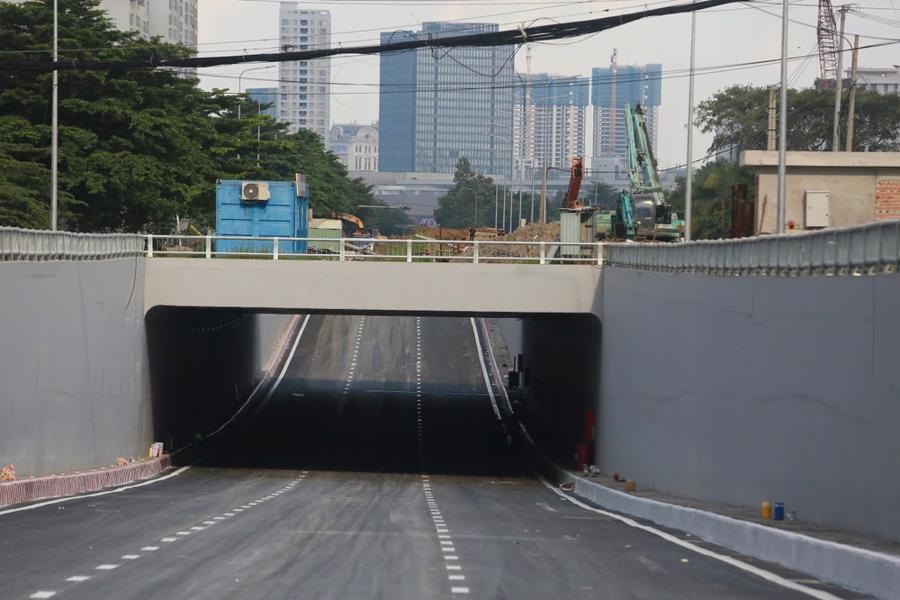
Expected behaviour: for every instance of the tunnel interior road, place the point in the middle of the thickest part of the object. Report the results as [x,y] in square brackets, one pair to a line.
[376,469]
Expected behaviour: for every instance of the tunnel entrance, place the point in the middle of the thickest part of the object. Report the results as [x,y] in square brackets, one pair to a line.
[380,393]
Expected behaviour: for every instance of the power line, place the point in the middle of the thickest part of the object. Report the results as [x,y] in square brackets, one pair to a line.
[494,38]
[566,83]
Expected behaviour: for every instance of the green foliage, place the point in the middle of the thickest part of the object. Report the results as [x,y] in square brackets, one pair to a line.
[457,208]
[738,116]
[711,193]
[136,147]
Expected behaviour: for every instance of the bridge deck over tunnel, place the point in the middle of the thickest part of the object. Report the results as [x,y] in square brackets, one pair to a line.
[374,287]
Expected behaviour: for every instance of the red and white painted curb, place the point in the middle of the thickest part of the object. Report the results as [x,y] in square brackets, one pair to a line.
[57,486]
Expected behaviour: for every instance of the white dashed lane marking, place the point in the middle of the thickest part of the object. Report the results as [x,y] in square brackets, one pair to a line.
[171,539]
[445,541]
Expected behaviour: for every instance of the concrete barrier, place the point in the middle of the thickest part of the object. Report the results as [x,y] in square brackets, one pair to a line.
[70,484]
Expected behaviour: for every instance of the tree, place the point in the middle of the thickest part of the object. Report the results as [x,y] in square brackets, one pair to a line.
[471,201]
[737,117]
[711,206]
[137,147]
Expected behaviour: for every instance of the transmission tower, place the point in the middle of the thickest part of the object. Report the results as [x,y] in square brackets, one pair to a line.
[829,44]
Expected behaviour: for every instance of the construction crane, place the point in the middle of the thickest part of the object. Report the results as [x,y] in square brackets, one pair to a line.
[576,221]
[829,43]
[570,199]
[642,210]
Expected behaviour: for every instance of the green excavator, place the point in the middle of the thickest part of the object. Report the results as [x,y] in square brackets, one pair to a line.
[642,211]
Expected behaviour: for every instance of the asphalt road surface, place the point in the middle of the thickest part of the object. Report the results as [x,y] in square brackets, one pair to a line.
[378,469]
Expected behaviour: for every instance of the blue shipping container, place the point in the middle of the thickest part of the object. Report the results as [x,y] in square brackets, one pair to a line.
[285,214]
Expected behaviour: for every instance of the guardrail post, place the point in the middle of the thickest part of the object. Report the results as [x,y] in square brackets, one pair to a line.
[475,253]
[208,246]
[149,245]
[341,251]
[275,248]
[543,260]
[409,251]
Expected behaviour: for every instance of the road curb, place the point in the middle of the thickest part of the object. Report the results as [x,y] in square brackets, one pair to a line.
[58,486]
[849,566]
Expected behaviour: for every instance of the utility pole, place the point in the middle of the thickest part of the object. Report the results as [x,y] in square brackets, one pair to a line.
[520,209]
[689,179]
[782,122]
[543,210]
[839,82]
[503,211]
[496,201]
[54,126]
[851,103]
[532,191]
[773,110]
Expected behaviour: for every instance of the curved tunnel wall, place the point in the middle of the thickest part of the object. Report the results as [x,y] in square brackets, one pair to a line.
[203,365]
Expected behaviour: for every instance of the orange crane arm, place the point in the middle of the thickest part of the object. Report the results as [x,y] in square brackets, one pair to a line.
[570,200]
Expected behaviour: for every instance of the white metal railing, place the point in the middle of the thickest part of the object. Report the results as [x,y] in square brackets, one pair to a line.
[872,248]
[371,249]
[37,245]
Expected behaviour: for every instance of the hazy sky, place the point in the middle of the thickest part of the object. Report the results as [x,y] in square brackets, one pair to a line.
[725,36]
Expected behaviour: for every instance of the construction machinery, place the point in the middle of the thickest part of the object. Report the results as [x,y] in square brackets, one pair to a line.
[576,221]
[642,211]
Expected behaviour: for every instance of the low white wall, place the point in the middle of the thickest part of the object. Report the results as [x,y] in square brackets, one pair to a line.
[744,389]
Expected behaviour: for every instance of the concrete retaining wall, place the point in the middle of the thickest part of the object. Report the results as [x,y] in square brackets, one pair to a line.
[744,389]
[73,388]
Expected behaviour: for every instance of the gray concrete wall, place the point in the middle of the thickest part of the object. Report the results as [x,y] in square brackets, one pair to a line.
[74,393]
[745,389]
[366,286]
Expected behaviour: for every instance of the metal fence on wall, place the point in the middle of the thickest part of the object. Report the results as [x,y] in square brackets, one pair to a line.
[865,249]
[38,245]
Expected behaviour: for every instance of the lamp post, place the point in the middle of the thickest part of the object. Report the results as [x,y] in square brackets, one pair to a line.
[475,194]
[54,134]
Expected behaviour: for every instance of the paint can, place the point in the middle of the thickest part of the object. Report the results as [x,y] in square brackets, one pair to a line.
[778,511]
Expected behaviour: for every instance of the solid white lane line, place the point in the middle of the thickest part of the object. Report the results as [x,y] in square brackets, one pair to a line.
[484,372]
[729,560]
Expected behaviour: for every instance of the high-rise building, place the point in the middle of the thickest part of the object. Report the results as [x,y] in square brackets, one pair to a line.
[549,122]
[129,16]
[305,85]
[269,97]
[436,107]
[174,21]
[356,145]
[611,89]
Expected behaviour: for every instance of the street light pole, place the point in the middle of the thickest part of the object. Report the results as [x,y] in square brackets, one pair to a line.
[689,178]
[782,122]
[54,126]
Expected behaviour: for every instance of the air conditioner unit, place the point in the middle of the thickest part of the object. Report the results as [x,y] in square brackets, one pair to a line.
[252,191]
